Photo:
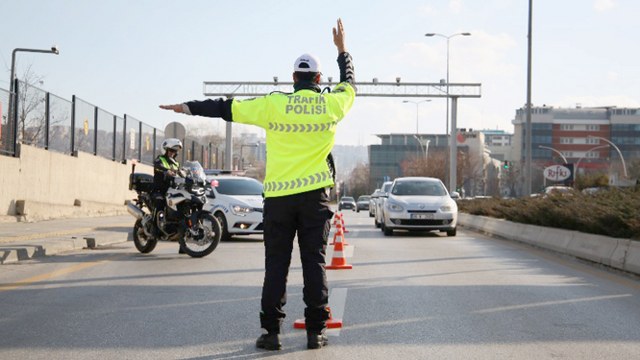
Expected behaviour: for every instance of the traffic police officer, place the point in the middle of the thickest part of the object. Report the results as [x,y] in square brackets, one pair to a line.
[300,130]
[165,168]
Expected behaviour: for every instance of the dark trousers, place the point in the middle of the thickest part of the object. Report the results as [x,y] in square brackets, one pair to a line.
[307,214]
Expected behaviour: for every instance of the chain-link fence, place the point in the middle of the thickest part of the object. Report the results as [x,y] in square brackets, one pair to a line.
[6,130]
[59,129]
[47,121]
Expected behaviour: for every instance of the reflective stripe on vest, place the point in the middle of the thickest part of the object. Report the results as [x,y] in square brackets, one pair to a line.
[302,127]
[297,183]
[165,163]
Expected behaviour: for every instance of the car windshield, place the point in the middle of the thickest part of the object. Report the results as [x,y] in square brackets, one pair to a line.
[239,186]
[418,188]
[364,198]
[346,198]
[386,187]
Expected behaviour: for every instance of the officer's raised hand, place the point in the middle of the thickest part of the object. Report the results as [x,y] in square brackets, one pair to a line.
[338,37]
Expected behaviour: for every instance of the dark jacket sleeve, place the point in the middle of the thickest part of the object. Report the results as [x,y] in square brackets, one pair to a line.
[159,175]
[219,108]
[347,71]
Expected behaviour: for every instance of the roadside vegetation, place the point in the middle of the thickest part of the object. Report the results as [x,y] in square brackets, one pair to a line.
[608,211]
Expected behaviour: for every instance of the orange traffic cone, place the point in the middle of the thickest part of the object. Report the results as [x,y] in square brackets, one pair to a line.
[338,261]
[344,228]
[331,323]
[336,219]
[338,233]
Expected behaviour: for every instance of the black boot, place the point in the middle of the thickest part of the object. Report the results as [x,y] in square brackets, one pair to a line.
[316,340]
[270,341]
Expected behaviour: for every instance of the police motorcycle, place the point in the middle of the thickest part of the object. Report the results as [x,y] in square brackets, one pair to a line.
[183,218]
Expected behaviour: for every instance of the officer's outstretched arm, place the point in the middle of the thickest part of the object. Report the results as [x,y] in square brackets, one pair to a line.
[220,108]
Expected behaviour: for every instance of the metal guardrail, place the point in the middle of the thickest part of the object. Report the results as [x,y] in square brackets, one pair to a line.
[48,121]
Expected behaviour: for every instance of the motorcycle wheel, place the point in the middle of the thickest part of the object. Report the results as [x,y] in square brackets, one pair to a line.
[143,243]
[208,238]
[223,226]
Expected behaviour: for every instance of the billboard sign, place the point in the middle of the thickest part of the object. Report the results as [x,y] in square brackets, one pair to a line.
[559,172]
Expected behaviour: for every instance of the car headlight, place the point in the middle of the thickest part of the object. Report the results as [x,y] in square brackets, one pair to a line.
[241,210]
[394,207]
[447,208]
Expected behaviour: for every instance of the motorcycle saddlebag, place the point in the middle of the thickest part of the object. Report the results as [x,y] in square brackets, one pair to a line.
[141,182]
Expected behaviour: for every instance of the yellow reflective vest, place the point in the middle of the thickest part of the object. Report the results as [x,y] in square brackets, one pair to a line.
[173,166]
[300,131]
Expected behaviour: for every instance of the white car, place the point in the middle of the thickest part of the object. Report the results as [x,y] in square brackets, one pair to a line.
[236,201]
[419,203]
[384,192]
[372,202]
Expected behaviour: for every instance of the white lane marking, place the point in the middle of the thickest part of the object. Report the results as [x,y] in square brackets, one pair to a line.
[548,303]
[337,303]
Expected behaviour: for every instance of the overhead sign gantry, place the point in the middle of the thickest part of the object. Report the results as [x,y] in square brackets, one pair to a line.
[454,91]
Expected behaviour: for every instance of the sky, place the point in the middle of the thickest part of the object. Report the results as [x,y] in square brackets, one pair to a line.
[128,57]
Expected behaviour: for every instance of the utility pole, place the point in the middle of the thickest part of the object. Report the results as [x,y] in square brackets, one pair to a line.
[529,127]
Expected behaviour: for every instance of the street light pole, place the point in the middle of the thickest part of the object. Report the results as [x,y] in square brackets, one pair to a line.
[452,140]
[426,150]
[12,90]
[577,167]
[556,151]
[416,103]
[448,38]
[624,166]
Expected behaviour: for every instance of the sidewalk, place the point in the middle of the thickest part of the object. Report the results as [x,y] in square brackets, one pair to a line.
[27,240]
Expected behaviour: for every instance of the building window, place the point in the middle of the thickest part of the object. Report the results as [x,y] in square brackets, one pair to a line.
[536,127]
[593,127]
[566,127]
[593,141]
[565,140]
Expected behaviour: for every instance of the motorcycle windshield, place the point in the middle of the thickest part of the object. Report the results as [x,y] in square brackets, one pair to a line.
[195,170]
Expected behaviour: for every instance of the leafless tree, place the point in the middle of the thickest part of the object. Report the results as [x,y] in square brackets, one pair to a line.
[31,109]
[634,169]
[358,181]
[432,166]
[511,178]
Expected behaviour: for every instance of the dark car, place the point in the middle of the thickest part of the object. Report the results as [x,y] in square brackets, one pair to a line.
[363,203]
[347,202]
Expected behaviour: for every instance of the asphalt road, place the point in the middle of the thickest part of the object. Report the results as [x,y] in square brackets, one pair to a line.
[411,296]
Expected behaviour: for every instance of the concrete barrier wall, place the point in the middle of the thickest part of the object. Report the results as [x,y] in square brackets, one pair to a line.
[622,254]
[47,185]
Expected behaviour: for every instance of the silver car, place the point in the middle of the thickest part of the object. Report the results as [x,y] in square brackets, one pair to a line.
[372,202]
[384,192]
[419,203]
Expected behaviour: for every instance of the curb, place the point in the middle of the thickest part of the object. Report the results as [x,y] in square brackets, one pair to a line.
[621,254]
[15,252]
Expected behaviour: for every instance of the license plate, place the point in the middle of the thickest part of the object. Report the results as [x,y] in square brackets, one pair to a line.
[422,216]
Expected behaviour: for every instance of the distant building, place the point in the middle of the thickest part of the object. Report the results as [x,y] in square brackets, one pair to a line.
[385,160]
[498,142]
[580,135]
